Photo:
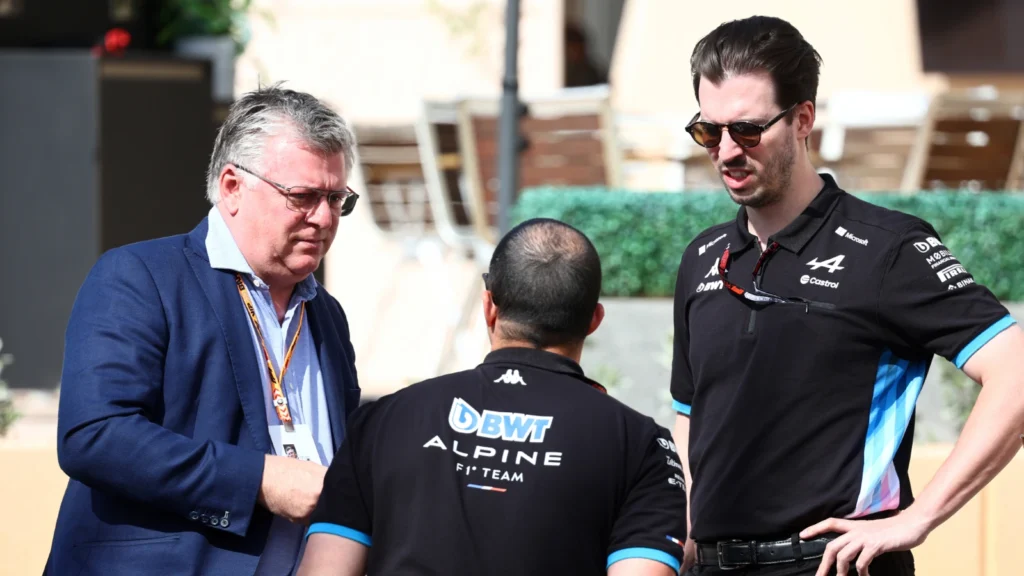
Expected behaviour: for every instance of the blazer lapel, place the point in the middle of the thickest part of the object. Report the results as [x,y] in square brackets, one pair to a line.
[220,290]
[332,367]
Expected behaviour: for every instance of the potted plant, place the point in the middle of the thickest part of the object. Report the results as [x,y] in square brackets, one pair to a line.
[216,30]
[7,412]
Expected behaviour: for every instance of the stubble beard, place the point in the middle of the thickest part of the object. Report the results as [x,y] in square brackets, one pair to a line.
[775,180]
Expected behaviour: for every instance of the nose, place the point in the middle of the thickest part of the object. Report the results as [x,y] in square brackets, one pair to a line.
[728,149]
[321,216]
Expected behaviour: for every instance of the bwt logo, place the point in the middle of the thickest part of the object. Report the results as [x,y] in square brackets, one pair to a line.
[511,426]
[929,243]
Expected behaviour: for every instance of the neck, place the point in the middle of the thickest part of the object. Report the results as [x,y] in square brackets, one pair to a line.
[765,221]
[573,352]
[281,295]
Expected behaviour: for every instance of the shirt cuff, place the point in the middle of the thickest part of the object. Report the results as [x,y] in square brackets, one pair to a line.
[681,408]
[343,531]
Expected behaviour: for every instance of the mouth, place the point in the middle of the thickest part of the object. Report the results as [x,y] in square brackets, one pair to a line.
[737,178]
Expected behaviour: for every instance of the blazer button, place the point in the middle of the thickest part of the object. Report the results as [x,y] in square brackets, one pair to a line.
[214,520]
[193,515]
[224,523]
[204,518]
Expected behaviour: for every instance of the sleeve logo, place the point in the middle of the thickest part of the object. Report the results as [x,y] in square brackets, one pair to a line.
[929,243]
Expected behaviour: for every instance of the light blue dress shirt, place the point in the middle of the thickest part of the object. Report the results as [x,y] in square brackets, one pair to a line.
[303,384]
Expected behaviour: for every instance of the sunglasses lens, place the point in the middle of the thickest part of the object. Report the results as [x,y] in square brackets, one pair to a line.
[745,134]
[707,135]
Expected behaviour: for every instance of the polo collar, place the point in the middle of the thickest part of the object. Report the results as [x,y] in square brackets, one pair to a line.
[541,359]
[795,236]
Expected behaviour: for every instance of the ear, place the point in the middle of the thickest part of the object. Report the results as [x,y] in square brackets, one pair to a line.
[490,310]
[230,183]
[803,119]
[596,319]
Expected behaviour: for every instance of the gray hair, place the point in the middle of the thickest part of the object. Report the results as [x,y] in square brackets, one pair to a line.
[267,111]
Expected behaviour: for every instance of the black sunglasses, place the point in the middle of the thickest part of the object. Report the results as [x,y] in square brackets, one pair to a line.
[760,295]
[743,133]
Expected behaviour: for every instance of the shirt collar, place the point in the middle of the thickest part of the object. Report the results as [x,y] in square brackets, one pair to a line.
[540,359]
[225,255]
[799,232]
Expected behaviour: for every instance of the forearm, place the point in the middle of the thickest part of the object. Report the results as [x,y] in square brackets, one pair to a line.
[681,437]
[131,456]
[989,441]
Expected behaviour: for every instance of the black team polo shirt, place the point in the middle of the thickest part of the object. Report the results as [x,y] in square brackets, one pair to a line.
[519,466]
[803,409]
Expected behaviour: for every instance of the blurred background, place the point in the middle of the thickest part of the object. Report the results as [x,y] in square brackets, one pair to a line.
[109,108]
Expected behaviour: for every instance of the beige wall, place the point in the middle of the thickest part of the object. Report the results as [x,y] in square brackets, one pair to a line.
[377,59]
[980,540]
[651,69]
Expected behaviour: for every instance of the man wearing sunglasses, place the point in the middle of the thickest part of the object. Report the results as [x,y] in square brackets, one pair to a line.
[804,330]
[519,466]
[197,364]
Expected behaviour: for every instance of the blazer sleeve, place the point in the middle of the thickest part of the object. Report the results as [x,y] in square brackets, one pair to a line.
[111,393]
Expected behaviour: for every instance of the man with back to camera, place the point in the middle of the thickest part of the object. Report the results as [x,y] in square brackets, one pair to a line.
[193,362]
[522,465]
[803,333]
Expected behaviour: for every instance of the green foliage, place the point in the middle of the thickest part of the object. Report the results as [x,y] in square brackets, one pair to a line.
[8,415]
[183,18]
[641,236]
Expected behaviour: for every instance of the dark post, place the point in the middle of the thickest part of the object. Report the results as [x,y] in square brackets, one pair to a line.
[508,143]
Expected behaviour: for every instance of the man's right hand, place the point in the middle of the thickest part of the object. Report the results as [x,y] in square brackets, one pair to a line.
[291,488]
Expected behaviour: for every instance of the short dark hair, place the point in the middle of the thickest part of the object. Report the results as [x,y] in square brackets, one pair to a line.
[545,279]
[759,44]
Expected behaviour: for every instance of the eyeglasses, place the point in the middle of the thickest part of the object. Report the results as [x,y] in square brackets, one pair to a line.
[305,199]
[760,295]
[746,134]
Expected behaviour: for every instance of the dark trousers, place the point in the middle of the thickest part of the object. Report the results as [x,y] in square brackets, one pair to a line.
[890,564]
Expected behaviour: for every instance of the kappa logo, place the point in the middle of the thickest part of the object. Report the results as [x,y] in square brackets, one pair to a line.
[713,271]
[832,264]
[511,377]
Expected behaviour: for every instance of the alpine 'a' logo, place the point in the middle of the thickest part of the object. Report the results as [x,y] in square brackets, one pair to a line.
[832,264]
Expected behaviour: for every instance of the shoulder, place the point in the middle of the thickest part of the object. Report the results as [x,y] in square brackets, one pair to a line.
[140,259]
[887,223]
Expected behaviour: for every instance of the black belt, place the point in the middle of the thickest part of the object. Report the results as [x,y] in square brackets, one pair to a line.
[733,554]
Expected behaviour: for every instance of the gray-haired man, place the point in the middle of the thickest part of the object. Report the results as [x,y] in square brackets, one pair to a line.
[193,361]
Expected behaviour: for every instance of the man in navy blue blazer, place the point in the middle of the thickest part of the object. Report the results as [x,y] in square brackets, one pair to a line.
[207,377]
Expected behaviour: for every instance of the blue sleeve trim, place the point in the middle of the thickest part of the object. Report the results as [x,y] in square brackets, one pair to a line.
[343,531]
[982,339]
[680,407]
[646,553]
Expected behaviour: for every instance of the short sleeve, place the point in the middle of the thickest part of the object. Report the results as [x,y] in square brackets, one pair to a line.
[652,521]
[682,377]
[930,301]
[345,507]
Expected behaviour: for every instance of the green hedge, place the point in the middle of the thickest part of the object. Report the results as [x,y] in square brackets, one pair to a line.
[641,236]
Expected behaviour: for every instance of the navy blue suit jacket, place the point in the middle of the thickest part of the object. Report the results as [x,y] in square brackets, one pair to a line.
[162,427]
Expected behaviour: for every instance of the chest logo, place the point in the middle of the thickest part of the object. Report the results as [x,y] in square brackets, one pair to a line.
[832,264]
[511,377]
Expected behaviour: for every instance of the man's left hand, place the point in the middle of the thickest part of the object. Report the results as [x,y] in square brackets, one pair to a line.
[861,541]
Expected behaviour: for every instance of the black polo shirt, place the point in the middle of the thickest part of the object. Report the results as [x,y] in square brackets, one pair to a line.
[804,410]
[519,466]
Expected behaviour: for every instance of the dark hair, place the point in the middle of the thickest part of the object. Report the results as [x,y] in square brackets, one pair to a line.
[759,44]
[545,279]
